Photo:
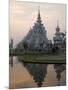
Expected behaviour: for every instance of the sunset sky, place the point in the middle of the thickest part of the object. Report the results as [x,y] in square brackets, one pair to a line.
[24,14]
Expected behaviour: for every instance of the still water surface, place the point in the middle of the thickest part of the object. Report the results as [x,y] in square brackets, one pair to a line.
[27,75]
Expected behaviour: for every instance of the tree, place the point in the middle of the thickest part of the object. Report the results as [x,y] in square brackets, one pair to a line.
[25,45]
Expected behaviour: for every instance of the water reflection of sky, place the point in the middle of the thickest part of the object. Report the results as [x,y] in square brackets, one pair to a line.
[35,75]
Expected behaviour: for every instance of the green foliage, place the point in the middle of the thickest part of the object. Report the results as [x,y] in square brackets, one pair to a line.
[25,45]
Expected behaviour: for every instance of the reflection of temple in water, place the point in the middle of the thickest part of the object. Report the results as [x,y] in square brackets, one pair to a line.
[59,68]
[38,71]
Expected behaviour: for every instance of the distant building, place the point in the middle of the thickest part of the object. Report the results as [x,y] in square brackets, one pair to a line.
[36,38]
[59,38]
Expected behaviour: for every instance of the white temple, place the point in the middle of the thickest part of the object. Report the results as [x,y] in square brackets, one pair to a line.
[36,39]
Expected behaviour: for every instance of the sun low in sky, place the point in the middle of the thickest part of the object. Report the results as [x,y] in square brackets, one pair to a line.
[23,15]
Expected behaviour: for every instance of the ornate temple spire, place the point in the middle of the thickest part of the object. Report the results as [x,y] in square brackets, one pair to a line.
[39,12]
[57,29]
[39,18]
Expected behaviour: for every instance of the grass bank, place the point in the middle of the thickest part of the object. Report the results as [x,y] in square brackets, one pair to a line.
[43,58]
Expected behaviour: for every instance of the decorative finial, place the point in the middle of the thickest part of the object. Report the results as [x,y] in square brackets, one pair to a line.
[57,28]
[39,13]
[38,9]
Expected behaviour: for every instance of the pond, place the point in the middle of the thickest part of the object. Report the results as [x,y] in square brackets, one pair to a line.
[30,75]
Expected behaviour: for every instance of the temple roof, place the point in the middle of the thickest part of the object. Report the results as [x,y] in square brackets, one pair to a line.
[38,26]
